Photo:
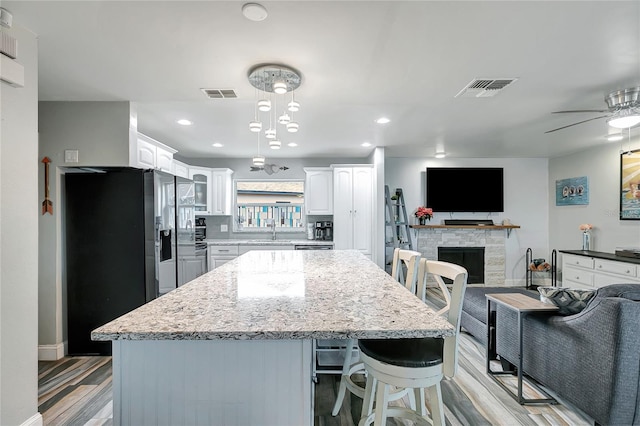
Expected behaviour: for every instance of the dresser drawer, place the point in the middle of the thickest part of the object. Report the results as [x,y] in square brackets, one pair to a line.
[581,261]
[621,268]
[582,278]
[231,250]
[600,280]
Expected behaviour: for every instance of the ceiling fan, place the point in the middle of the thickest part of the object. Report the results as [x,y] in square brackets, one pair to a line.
[268,168]
[623,105]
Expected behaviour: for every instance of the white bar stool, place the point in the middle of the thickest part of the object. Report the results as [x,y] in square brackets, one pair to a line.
[402,259]
[414,364]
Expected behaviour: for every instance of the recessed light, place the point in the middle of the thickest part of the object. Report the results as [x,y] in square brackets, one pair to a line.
[440,154]
[366,144]
[185,122]
[615,137]
[292,144]
[383,120]
[254,12]
[217,145]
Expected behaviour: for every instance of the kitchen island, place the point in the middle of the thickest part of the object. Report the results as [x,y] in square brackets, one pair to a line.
[234,346]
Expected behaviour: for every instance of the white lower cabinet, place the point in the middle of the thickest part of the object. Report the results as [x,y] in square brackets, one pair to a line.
[190,268]
[352,208]
[592,272]
[246,248]
[219,255]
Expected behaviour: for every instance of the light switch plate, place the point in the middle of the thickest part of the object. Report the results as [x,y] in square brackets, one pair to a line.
[224,228]
[70,155]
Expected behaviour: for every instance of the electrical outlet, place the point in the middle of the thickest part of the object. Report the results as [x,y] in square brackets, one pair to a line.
[224,228]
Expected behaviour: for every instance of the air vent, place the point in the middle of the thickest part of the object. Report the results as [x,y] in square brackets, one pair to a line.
[219,93]
[484,87]
[8,45]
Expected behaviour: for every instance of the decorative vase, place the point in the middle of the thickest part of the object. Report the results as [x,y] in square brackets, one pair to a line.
[586,240]
[422,220]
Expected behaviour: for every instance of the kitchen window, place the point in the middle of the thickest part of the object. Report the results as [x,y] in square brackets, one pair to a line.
[259,202]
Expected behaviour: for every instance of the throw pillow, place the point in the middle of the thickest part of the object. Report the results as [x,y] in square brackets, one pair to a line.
[569,300]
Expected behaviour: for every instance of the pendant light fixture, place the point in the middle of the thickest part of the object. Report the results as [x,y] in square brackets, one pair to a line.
[255,125]
[258,160]
[273,81]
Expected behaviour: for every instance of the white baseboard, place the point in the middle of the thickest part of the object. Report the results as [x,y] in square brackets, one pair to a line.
[35,420]
[50,352]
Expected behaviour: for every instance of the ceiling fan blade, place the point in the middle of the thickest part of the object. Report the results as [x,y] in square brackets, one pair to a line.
[575,124]
[580,110]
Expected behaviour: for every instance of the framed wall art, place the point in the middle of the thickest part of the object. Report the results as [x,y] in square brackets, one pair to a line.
[572,191]
[630,185]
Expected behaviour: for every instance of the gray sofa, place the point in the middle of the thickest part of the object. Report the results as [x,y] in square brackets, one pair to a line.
[590,360]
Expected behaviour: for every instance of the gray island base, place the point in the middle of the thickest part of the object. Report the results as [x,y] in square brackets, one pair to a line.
[234,346]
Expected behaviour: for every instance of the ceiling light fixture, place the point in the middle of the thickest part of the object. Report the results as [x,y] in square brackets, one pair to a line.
[365,144]
[440,154]
[383,120]
[217,145]
[184,122]
[254,12]
[292,144]
[275,81]
[624,119]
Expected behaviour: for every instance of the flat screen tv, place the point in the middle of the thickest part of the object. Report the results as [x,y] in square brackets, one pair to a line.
[465,189]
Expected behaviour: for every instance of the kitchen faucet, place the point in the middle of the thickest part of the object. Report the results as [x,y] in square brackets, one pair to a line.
[272,224]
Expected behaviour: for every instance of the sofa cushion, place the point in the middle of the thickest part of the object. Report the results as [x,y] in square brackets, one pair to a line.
[569,300]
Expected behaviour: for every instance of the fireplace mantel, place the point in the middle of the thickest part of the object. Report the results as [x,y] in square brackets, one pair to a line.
[507,227]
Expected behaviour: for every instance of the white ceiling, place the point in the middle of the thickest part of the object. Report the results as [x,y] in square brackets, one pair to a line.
[359,60]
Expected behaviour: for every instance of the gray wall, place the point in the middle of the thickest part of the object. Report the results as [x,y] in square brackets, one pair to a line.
[601,165]
[526,201]
[19,210]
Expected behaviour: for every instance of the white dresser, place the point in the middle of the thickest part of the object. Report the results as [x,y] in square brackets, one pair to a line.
[591,269]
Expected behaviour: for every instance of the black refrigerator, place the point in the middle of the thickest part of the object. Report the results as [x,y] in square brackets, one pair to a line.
[122,228]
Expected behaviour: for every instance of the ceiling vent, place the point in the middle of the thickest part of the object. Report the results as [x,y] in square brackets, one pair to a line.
[484,87]
[219,93]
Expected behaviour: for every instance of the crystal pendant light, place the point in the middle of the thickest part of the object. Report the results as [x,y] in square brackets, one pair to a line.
[264,105]
[280,87]
[292,126]
[258,160]
[275,144]
[284,118]
[293,106]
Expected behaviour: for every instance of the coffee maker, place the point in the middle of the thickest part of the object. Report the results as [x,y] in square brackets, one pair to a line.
[324,231]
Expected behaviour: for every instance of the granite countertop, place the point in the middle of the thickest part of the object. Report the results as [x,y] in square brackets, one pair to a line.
[602,255]
[316,294]
[267,242]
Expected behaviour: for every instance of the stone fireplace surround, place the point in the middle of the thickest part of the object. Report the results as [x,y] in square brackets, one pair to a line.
[493,240]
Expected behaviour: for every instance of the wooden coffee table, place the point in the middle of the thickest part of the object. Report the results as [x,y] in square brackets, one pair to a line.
[523,305]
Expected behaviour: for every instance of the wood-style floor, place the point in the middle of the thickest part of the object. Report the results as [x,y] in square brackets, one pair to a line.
[77,391]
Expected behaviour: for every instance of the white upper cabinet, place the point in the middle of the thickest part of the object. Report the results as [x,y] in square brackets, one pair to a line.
[222,191]
[318,190]
[201,177]
[353,205]
[151,154]
[180,169]
[213,188]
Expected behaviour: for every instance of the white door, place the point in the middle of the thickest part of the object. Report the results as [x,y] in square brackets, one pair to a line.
[362,209]
[342,208]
